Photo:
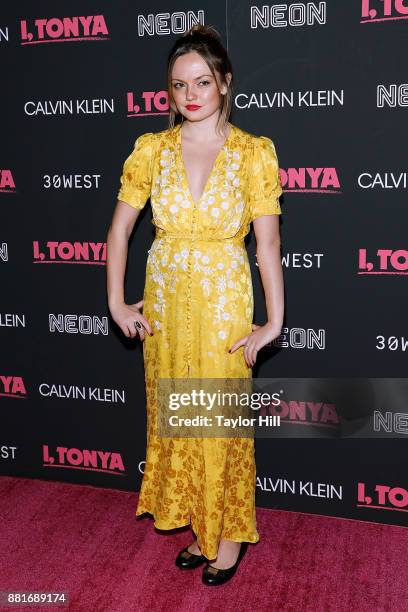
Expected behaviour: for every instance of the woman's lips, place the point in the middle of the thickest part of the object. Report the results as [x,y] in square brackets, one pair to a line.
[192,107]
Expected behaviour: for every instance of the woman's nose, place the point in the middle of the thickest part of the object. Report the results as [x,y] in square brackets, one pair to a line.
[190,95]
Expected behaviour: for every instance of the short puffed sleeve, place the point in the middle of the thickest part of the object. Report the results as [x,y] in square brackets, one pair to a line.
[136,178]
[264,182]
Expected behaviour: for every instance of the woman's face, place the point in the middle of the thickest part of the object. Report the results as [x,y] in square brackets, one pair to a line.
[194,85]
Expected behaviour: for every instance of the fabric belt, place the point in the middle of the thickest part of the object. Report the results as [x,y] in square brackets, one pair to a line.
[160,233]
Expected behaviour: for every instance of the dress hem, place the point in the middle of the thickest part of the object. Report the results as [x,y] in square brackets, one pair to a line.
[156,524]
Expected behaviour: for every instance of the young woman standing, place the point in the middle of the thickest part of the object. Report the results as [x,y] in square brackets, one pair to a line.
[207,181]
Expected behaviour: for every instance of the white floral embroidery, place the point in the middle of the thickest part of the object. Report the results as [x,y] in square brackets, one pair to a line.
[219,308]
[218,268]
[205,284]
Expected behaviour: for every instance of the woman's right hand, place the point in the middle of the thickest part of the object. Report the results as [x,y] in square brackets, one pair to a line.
[125,316]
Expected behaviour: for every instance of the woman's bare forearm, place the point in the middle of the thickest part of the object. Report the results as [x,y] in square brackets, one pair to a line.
[117,244]
[270,268]
[117,251]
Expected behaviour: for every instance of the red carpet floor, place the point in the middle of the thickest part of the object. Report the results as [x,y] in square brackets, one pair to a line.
[86,541]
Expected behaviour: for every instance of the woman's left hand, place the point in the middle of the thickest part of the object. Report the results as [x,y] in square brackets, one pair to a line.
[253,342]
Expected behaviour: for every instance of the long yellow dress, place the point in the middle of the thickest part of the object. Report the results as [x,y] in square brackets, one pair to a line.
[198,297]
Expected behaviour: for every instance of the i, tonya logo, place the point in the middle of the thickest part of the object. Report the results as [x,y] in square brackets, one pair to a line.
[386,261]
[298,412]
[7,184]
[12,386]
[383,10]
[87,460]
[93,253]
[310,180]
[382,498]
[150,103]
[65,29]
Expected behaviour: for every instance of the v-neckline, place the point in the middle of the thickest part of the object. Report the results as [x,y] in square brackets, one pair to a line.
[183,167]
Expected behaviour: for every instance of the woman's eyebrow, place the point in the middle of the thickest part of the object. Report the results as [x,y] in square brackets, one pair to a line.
[199,77]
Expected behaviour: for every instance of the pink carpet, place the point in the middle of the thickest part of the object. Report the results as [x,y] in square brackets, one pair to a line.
[86,541]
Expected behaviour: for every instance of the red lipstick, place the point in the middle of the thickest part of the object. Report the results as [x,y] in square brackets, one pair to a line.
[192,107]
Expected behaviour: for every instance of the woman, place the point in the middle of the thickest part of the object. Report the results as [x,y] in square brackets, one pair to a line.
[207,181]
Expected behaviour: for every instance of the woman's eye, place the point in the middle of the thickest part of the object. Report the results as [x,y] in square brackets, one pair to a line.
[205,82]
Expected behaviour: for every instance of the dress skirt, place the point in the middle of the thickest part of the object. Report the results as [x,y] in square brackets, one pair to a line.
[196,316]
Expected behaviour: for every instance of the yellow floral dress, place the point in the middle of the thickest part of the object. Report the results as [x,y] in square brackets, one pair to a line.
[198,298]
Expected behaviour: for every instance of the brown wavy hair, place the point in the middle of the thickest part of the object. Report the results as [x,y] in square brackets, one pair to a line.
[206,41]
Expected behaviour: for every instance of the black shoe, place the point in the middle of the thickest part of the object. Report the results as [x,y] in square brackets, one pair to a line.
[213,575]
[187,560]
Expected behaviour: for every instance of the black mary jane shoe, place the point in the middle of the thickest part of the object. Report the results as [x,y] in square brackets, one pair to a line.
[188,560]
[213,575]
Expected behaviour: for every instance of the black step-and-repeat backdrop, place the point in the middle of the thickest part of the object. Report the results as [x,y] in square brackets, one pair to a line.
[327,82]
